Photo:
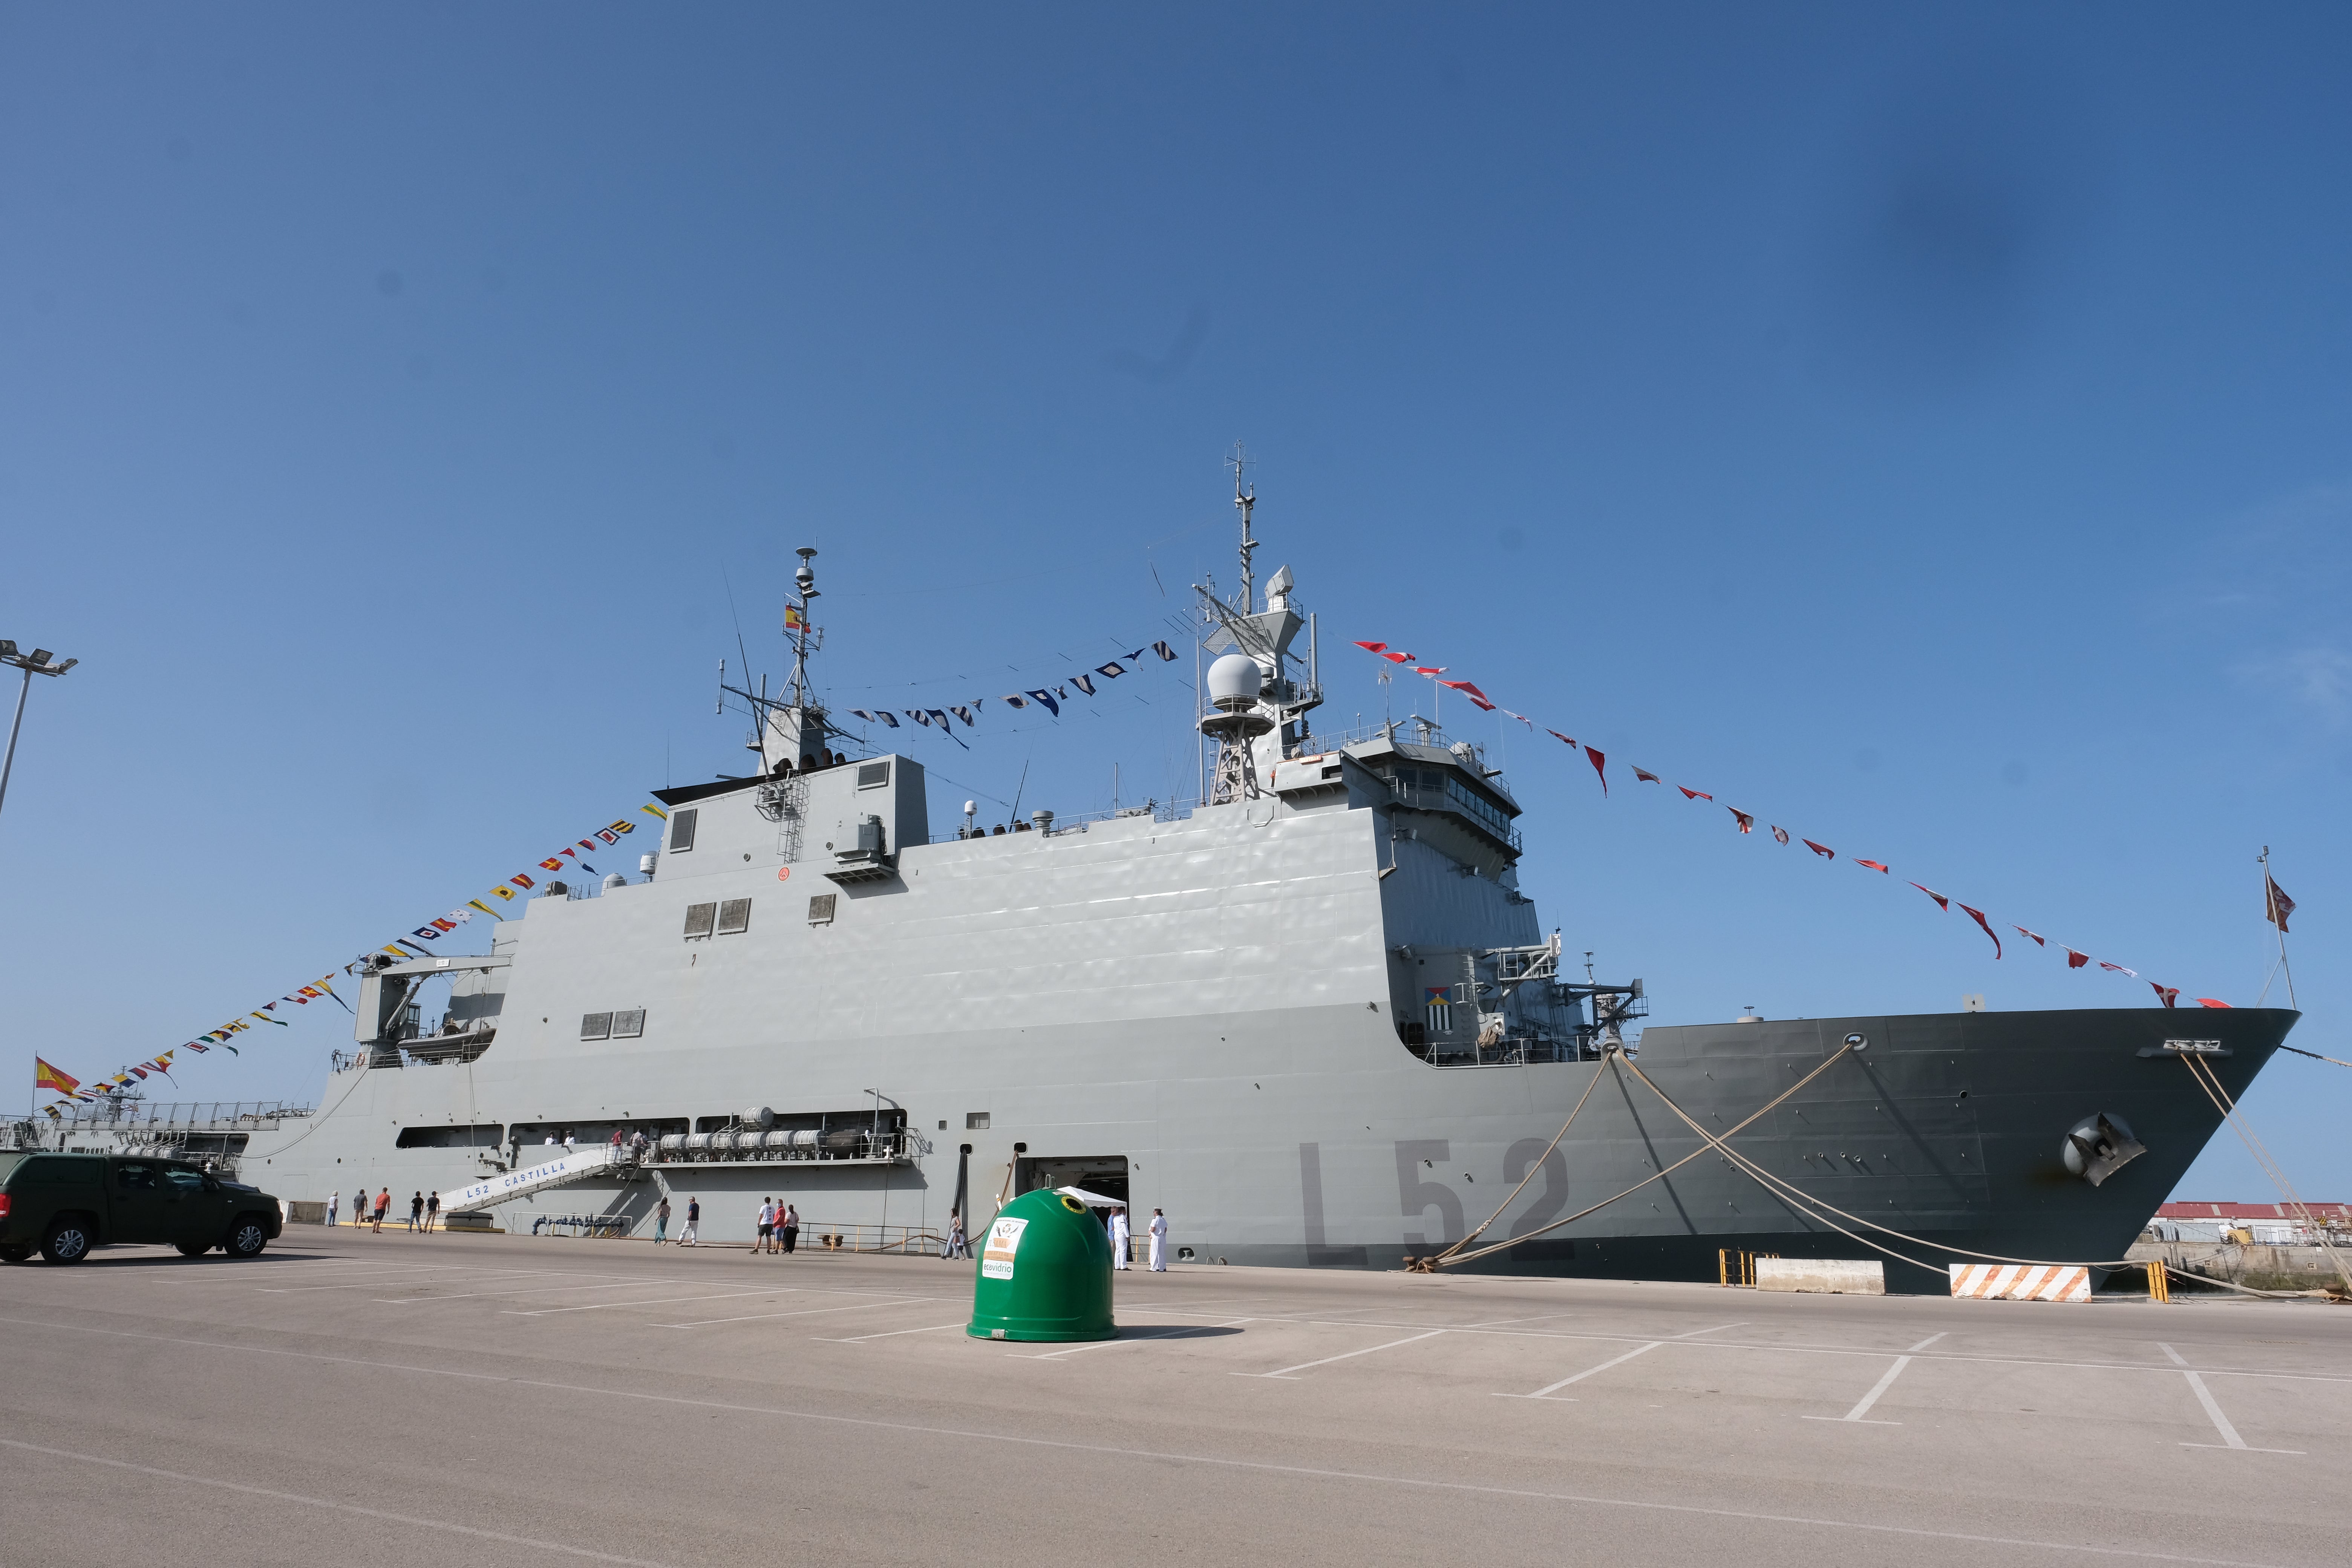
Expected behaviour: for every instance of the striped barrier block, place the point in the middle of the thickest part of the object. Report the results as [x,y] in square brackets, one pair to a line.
[2021,1282]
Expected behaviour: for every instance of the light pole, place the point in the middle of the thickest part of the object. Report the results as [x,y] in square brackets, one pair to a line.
[32,664]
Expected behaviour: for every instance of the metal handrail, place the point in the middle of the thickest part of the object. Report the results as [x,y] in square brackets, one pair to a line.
[193,1115]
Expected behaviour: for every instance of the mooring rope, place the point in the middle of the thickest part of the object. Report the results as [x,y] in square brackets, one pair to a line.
[2211,1082]
[1431,1264]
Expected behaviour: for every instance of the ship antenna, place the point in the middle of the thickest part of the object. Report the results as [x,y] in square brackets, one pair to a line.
[1244,498]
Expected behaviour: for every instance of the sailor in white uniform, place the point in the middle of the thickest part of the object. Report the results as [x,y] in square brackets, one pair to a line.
[1118,1237]
[1158,1242]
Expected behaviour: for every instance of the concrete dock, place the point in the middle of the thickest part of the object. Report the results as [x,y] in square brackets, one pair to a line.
[360,1399]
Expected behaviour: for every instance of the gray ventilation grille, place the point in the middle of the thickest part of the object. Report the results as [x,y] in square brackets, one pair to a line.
[871,776]
[734,917]
[630,1025]
[681,831]
[821,909]
[595,1025]
[699,918]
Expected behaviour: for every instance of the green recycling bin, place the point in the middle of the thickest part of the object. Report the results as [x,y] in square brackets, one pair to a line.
[1044,1273]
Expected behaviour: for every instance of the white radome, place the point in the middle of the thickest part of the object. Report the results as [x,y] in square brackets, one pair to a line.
[1236,681]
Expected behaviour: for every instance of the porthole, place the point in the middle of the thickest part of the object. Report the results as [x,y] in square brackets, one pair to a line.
[1856,1042]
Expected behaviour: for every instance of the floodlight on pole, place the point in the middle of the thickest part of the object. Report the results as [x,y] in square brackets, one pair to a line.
[32,664]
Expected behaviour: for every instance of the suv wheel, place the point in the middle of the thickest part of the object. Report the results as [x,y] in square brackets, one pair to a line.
[15,1252]
[246,1238]
[192,1249]
[67,1242]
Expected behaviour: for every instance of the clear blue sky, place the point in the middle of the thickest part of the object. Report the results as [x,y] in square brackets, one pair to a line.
[1923,427]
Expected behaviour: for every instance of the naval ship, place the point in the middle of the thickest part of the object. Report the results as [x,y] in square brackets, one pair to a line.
[1311,1017]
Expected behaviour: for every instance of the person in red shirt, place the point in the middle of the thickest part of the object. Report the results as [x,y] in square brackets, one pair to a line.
[383,1203]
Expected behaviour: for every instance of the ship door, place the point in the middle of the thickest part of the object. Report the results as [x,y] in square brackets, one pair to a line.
[1102,1174]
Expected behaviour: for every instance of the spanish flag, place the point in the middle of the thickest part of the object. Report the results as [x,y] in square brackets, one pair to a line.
[46,1077]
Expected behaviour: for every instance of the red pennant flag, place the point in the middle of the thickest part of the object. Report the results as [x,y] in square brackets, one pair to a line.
[2164,992]
[1373,647]
[1823,850]
[1558,736]
[2076,960]
[1690,794]
[2120,969]
[1942,902]
[1470,691]
[1876,866]
[1400,657]
[522,882]
[1429,670]
[1781,833]
[1647,776]
[2210,1002]
[1746,823]
[1977,916]
[1600,766]
[2037,940]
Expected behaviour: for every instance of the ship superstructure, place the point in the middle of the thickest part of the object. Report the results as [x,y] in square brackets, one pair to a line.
[1313,1018]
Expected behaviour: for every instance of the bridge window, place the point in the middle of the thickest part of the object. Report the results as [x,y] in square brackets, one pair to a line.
[681,831]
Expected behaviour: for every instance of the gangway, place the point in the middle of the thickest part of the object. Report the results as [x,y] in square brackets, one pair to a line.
[603,1159]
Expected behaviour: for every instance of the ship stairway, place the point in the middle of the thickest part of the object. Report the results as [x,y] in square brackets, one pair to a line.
[602,1161]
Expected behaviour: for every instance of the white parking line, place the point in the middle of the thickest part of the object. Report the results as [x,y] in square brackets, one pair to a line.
[1286,1372]
[799,1312]
[451,1526]
[1546,1392]
[1881,1387]
[416,1271]
[528,1289]
[1695,1334]
[1505,1322]
[894,1333]
[657,1302]
[1923,1344]
[2229,1438]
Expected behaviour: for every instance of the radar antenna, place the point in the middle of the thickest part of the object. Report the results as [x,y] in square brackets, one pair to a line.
[1244,498]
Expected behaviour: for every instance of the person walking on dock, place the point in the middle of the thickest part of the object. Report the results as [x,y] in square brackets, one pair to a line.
[335,1202]
[766,1240]
[416,1213]
[692,1235]
[789,1225]
[661,1220]
[383,1205]
[957,1245]
[1158,1242]
[1119,1248]
[432,1210]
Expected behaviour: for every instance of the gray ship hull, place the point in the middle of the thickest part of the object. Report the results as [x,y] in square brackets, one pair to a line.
[1211,1007]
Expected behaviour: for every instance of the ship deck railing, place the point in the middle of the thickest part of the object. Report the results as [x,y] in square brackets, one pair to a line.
[1515,1051]
[192,1116]
[888,1152]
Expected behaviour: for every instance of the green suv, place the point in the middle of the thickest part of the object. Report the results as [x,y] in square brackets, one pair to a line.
[67,1203]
